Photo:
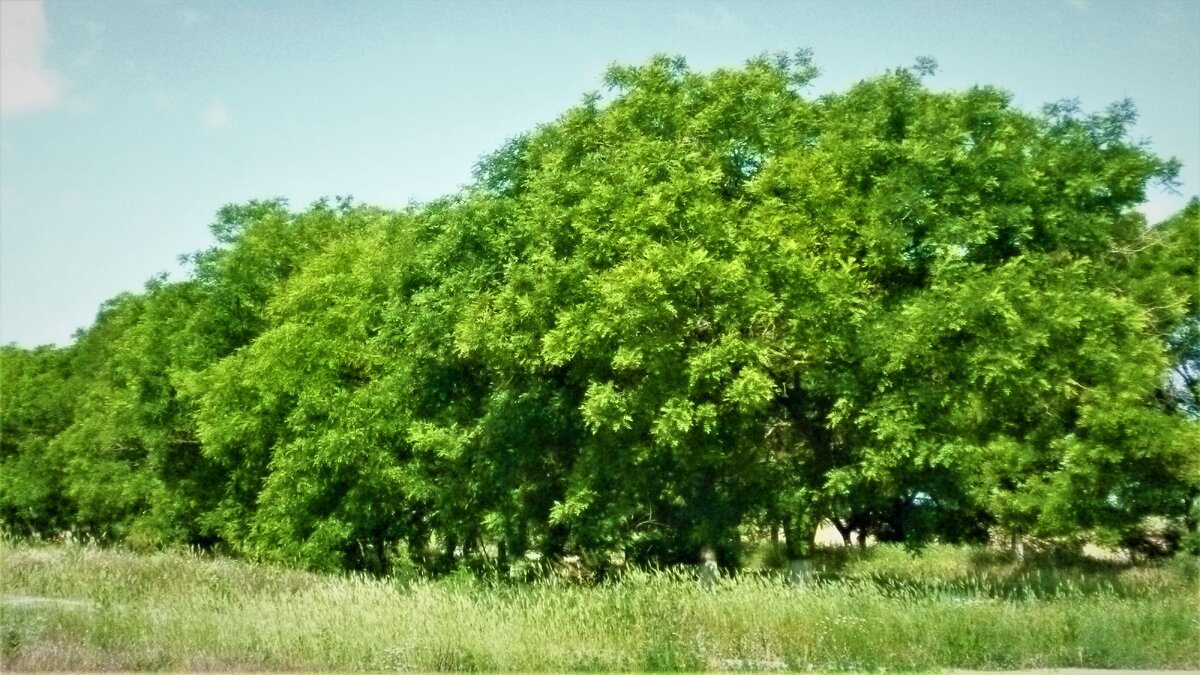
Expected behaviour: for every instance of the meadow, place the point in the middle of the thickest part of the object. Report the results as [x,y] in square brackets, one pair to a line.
[74,607]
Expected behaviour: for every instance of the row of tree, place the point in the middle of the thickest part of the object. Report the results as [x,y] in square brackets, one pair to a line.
[697,304]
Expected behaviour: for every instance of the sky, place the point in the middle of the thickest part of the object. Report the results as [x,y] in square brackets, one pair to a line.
[125,125]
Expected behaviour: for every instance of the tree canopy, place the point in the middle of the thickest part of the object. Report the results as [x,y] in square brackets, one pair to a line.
[696,304]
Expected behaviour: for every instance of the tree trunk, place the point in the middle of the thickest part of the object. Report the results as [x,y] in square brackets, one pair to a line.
[448,547]
[381,551]
[844,530]
[502,557]
[793,544]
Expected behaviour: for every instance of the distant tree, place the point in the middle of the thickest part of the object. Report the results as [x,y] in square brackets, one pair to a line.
[37,397]
[1162,271]
[307,479]
[1162,268]
[132,462]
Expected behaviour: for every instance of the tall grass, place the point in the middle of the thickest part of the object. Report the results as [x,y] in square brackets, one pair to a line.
[80,608]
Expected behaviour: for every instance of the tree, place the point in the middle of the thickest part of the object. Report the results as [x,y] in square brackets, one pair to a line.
[247,395]
[889,296]
[1162,267]
[36,404]
[696,302]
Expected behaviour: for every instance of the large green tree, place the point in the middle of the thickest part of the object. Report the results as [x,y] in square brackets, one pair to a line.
[695,302]
[872,306]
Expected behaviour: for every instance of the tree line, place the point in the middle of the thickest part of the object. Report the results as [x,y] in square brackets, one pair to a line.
[693,305]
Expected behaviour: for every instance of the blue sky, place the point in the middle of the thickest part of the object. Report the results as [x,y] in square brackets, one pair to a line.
[124,125]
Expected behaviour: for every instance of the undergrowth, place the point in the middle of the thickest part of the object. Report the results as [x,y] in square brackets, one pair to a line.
[85,608]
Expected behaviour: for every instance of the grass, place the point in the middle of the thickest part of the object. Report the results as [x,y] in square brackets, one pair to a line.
[884,608]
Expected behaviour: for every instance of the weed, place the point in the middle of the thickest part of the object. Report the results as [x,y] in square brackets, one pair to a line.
[948,607]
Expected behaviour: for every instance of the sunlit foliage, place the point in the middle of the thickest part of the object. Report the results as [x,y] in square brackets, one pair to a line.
[692,305]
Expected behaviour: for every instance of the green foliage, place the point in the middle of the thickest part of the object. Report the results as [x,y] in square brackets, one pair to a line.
[693,304]
[1162,269]
[35,406]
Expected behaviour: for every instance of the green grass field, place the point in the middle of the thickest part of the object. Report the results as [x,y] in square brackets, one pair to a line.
[82,608]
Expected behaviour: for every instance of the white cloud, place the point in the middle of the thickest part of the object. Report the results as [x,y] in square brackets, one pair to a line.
[215,116]
[717,18]
[26,84]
